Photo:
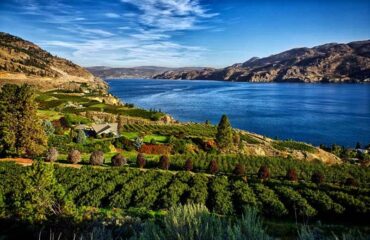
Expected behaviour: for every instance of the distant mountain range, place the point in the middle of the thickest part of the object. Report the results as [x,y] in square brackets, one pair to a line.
[134,72]
[22,61]
[331,62]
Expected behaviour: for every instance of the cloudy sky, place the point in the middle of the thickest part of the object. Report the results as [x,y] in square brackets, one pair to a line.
[178,33]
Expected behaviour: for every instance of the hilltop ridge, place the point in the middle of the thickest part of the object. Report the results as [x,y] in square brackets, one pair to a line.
[331,62]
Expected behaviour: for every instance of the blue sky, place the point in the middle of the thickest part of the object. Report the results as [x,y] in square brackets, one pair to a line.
[212,33]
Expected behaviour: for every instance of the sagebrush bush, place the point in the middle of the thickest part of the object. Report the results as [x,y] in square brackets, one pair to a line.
[97,158]
[118,160]
[51,155]
[74,156]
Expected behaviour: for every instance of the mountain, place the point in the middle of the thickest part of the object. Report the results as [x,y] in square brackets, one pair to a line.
[331,62]
[22,61]
[133,72]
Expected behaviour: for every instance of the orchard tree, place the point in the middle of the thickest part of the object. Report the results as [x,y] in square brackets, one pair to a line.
[224,136]
[239,170]
[263,173]
[140,160]
[118,160]
[51,155]
[164,162]
[188,165]
[291,175]
[74,156]
[213,167]
[97,158]
[21,131]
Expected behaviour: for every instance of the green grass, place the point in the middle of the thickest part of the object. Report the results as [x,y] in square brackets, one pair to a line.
[130,135]
[157,138]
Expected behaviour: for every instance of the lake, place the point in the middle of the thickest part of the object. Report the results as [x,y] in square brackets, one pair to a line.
[314,113]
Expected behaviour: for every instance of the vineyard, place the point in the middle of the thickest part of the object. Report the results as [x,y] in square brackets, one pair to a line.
[193,130]
[127,188]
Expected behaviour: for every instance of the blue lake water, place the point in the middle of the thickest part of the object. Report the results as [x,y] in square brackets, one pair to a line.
[315,113]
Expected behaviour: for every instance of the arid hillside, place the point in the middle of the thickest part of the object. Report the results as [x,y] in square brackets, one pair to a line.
[22,61]
[331,62]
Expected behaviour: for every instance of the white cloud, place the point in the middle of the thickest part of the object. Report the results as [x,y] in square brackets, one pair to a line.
[112,15]
[141,35]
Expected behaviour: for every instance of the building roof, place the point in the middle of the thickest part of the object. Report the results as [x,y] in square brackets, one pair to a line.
[105,128]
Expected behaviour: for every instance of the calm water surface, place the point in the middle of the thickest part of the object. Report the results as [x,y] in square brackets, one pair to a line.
[315,113]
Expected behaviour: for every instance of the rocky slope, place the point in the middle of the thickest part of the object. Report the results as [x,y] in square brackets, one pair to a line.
[326,63]
[133,72]
[24,62]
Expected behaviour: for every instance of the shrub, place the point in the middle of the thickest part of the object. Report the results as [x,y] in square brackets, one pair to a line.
[351,182]
[291,175]
[155,149]
[239,170]
[317,178]
[140,160]
[74,156]
[97,158]
[263,173]
[164,162]
[118,160]
[213,167]
[189,165]
[51,155]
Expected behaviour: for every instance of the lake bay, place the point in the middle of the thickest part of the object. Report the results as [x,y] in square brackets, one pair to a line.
[314,113]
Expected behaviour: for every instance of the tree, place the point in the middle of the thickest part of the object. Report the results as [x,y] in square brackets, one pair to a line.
[213,167]
[317,177]
[40,196]
[224,136]
[97,158]
[81,136]
[263,173]
[291,175]
[138,143]
[189,165]
[164,162]
[51,155]
[74,156]
[358,145]
[239,170]
[21,131]
[140,160]
[118,160]
[48,127]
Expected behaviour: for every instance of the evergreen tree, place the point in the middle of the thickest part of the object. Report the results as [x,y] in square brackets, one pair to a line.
[81,136]
[224,136]
[40,196]
[21,131]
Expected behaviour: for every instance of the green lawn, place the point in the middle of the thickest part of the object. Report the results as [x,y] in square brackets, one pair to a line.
[157,138]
